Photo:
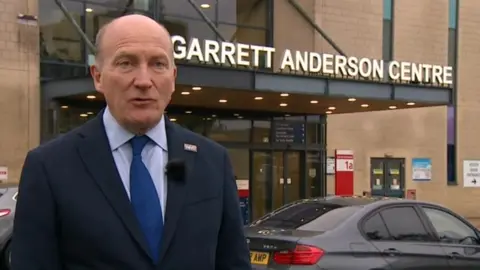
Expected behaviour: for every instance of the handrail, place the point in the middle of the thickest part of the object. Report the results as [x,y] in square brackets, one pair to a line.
[206,19]
[315,25]
[69,17]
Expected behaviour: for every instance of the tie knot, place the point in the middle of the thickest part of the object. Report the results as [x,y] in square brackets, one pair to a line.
[138,143]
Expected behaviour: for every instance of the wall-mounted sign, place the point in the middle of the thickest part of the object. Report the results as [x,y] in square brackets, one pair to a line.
[421,169]
[238,54]
[471,173]
[344,167]
[3,173]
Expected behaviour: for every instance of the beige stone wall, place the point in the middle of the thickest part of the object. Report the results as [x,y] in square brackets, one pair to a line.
[421,35]
[19,84]
[465,199]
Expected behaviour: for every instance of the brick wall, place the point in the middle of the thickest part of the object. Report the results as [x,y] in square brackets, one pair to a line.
[19,85]
[419,27]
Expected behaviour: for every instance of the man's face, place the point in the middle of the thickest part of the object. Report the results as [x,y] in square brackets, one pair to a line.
[136,74]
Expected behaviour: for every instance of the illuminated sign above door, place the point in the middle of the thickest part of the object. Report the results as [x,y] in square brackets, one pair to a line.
[247,55]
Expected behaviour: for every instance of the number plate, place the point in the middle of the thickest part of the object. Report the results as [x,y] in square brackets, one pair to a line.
[259,257]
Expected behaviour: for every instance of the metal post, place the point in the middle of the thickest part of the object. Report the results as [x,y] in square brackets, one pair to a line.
[314,25]
[69,17]
[206,19]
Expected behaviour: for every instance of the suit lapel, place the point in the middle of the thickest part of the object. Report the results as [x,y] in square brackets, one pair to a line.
[178,149]
[97,157]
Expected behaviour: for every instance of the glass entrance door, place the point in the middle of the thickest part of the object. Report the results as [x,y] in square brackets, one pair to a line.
[387,177]
[276,180]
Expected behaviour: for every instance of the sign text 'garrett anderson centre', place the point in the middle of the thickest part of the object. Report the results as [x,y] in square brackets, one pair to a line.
[238,54]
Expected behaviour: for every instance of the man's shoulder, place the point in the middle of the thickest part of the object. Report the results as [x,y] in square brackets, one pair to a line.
[207,145]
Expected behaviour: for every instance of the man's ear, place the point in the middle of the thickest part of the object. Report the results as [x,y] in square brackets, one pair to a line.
[96,76]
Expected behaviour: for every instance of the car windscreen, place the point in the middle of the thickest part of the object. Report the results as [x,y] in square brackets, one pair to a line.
[297,216]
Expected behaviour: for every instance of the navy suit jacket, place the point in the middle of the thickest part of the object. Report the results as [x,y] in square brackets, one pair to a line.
[73,212]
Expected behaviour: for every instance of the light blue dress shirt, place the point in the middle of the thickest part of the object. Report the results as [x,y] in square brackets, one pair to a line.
[154,155]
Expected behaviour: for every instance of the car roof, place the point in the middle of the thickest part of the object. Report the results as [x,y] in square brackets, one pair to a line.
[361,200]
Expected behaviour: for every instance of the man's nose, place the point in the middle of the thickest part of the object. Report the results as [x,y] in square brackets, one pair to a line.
[143,78]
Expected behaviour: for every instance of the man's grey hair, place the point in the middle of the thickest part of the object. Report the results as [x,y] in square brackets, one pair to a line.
[101,34]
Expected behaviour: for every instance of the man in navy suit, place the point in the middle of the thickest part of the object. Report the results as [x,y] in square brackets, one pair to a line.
[129,190]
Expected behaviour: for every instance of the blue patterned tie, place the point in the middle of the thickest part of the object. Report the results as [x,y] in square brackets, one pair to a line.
[144,197]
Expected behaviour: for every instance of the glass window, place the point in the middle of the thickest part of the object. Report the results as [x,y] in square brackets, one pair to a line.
[184,9]
[261,131]
[307,216]
[233,130]
[192,122]
[451,229]
[413,230]
[375,229]
[243,12]
[59,41]
[240,163]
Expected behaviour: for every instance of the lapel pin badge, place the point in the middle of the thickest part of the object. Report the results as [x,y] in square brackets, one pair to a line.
[190,147]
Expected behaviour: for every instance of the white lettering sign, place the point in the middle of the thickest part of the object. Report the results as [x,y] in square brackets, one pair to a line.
[238,54]
[471,173]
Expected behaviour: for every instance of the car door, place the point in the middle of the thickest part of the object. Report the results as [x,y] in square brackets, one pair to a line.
[459,239]
[402,239]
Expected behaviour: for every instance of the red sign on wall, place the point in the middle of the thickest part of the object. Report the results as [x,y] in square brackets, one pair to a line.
[344,167]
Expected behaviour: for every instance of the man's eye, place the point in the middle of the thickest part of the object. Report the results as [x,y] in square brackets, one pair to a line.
[160,64]
[124,63]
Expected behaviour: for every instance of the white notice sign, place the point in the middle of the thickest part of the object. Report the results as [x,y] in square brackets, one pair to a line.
[3,173]
[471,173]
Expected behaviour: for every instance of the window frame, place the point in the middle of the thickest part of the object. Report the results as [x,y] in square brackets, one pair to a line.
[421,215]
[429,223]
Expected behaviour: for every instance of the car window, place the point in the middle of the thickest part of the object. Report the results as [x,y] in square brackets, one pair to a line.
[295,215]
[449,228]
[404,224]
[375,228]
[330,220]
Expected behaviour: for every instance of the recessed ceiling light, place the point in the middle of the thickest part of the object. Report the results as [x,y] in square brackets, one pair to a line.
[352,99]
[240,117]
[204,5]
[83,115]
[283,104]
[392,107]
[284,94]
[258,98]
[64,107]
[91,97]
[314,101]
[90,113]
[196,88]
[287,115]
[235,114]
[214,115]
[328,112]
[185,93]
[411,103]
[331,108]
[88,10]
[188,112]
[364,105]
[208,118]
[173,119]
[222,101]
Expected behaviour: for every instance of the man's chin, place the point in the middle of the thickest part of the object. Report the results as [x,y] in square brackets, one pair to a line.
[143,123]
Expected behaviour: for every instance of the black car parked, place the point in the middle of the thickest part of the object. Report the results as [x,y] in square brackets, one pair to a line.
[360,233]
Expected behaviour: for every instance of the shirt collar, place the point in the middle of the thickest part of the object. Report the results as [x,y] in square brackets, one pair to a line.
[118,136]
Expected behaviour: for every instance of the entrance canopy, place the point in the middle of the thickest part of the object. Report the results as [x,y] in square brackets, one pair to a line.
[216,87]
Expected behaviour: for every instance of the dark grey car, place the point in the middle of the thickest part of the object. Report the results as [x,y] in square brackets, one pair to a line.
[8,201]
[340,233]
